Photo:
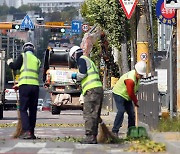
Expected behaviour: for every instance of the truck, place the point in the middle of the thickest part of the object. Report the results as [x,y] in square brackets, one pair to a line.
[64,92]
[2,78]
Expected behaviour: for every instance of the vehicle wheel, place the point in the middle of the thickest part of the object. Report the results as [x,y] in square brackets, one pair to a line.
[55,110]
[1,111]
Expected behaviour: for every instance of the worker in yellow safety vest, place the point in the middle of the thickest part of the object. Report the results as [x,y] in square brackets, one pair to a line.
[28,86]
[124,93]
[92,92]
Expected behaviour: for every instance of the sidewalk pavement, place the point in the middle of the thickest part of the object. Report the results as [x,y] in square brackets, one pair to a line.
[170,139]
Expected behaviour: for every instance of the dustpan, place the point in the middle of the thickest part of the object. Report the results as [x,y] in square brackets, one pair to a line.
[135,131]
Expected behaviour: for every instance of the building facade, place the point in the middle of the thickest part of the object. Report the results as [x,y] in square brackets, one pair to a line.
[10,3]
[55,5]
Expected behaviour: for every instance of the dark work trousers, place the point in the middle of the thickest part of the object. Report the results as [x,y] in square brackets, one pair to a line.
[28,96]
[123,106]
[92,110]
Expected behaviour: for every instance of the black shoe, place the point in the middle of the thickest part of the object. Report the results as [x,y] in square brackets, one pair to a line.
[115,134]
[89,139]
[33,136]
[26,135]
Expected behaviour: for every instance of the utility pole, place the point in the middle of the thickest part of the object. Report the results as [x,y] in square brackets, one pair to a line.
[142,36]
[178,61]
[142,41]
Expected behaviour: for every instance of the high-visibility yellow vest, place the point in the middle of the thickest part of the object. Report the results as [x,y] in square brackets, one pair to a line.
[92,80]
[29,71]
[120,87]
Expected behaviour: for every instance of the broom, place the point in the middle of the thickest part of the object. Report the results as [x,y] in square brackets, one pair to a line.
[18,131]
[104,135]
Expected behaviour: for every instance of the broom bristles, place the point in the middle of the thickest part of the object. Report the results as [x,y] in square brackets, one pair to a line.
[104,134]
[18,131]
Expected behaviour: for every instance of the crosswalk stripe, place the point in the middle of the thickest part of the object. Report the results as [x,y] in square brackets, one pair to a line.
[30,145]
[3,150]
[55,151]
[84,146]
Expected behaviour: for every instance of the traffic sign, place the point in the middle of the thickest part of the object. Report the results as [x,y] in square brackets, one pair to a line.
[27,23]
[85,27]
[128,7]
[165,15]
[144,56]
[76,26]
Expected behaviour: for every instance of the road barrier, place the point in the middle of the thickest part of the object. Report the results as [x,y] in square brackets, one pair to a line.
[149,105]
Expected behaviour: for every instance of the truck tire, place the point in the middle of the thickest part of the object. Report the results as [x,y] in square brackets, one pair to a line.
[55,110]
[1,111]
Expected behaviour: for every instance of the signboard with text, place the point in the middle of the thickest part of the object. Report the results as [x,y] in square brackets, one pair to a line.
[165,15]
[54,23]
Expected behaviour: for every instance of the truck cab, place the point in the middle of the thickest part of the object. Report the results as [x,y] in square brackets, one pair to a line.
[64,92]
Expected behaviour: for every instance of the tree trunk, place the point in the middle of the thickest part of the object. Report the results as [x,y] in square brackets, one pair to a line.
[124,56]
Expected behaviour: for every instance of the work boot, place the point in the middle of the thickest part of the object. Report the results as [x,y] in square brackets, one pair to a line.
[89,139]
[115,134]
[32,135]
[26,135]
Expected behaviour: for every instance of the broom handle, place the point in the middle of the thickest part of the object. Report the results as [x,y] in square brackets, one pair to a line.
[14,85]
[92,29]
[136,116]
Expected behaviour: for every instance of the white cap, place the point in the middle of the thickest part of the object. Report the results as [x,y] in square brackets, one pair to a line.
[28,45]
[74,49]
[140,67]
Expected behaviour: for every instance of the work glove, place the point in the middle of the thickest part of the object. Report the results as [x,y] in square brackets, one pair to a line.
[74,76]
[9,61]
[71,75]
[16,87]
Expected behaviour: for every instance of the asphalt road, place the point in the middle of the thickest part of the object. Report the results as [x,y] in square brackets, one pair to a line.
[44,121]
[49,128]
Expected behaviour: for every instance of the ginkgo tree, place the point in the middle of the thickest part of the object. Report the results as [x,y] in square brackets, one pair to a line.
[110,16]
[120,31]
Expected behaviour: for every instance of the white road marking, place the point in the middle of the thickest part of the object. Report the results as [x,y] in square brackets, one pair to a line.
[30,145]
[15,122]
[80,129]
[3,150]
[55,151]
[84,146]
[39,135]
[39,132]
[39,129]
[115,151]
[55,129]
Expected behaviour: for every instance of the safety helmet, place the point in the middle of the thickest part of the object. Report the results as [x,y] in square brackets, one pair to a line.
[28,45]
[74,49]
[140,67]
